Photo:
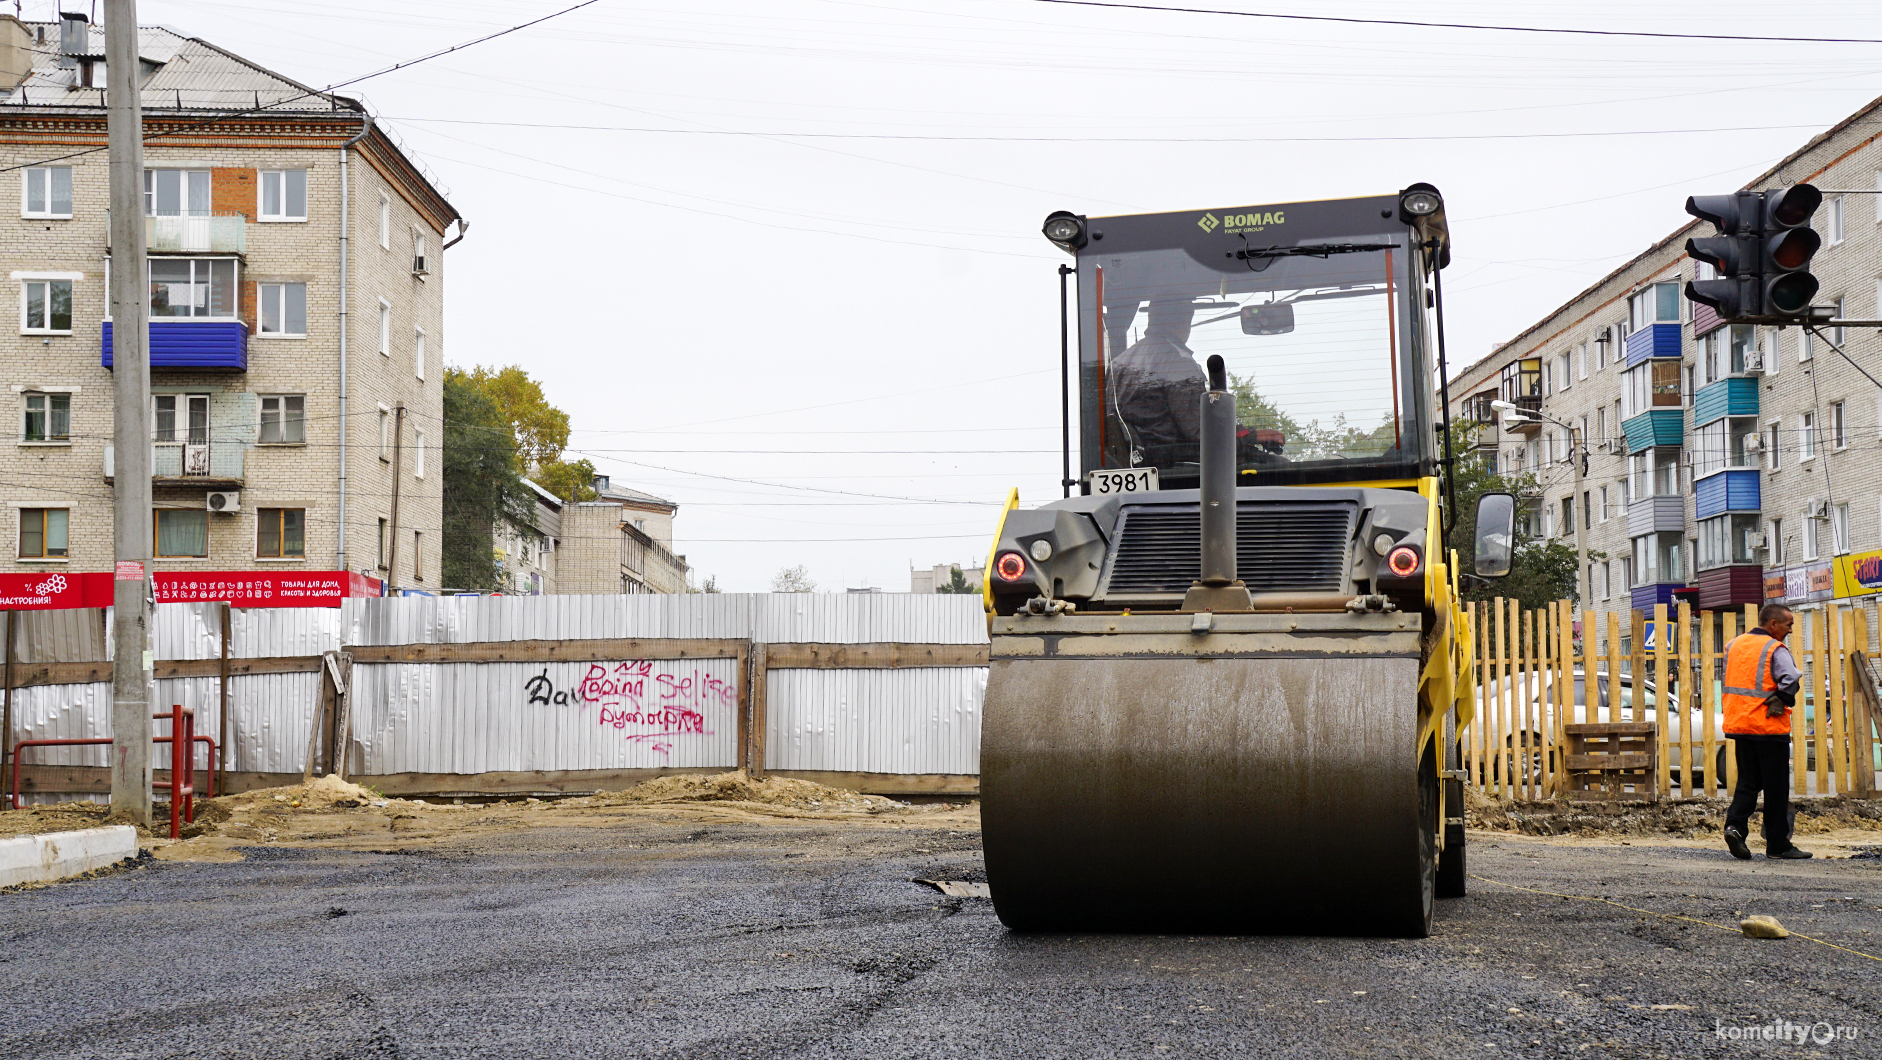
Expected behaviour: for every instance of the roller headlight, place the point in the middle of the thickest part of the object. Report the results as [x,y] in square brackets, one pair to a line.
[1041,550]
[1420,203]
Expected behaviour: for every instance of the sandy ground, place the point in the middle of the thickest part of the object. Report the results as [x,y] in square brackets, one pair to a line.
[330,812]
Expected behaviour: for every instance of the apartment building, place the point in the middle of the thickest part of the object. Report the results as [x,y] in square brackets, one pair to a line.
[526,548]
[622,542]
[296,336]
[1727,464]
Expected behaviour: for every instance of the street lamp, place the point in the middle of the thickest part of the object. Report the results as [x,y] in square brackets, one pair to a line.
[1579,458]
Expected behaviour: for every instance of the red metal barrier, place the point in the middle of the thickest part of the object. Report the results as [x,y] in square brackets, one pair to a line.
[182,766]
[188,770]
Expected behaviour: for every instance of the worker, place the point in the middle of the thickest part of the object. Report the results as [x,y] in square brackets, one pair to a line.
[1159,386]
[1761,682]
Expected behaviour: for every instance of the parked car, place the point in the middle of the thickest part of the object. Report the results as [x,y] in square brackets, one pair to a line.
[1541,716]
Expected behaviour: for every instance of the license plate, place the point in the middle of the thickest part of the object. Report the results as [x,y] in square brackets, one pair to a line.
[1133,480]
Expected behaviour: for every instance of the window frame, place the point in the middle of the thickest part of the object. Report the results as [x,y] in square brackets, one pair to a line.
[1839,529]
[418,453]
[48,435]
[285,215]
[179,419]
[385,434]
[235,285]
[183,191]
[281,414]
[49,279]
[418,352]
[45,555]
[278,294]
[1833,221]
[1806,437]
[385,328]
[27,176]
[280,517]
[156,532]
[1839,427]
[385,221]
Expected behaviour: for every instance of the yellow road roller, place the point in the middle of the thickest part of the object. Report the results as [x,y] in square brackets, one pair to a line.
[1229,671]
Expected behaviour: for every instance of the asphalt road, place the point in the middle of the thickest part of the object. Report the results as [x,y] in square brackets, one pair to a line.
[675,939]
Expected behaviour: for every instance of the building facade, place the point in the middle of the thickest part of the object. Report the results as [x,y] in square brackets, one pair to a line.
[621,542]
[296,336]
[1726,464]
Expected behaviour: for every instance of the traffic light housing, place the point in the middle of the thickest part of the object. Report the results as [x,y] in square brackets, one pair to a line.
[1761,253]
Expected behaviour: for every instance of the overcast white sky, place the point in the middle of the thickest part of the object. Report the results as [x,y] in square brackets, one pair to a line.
[842,350]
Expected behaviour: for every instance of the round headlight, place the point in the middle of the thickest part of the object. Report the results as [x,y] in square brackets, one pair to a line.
[1419,203]
[1065,229]
[1382,544]
[1041,550]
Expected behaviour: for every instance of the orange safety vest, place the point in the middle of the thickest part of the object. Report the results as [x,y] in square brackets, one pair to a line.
[1748,680]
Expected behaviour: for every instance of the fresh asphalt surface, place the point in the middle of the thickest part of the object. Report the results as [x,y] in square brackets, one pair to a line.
[672,938]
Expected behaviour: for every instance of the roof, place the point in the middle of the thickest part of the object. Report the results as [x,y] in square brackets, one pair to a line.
[622,494]
[181,73]
[543,496]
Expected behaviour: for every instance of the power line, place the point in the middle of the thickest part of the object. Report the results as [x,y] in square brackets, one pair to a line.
[1463,25]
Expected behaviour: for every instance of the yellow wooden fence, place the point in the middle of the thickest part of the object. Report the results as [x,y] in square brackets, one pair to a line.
[1532,680]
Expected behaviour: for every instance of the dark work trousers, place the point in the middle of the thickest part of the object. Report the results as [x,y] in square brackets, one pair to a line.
[1764,764]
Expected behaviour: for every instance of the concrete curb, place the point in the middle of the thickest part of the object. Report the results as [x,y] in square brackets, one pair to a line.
[56,855]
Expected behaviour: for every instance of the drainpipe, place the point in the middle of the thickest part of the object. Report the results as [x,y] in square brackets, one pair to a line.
[346,425]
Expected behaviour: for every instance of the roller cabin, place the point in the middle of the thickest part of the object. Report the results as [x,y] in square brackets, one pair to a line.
[1228,676]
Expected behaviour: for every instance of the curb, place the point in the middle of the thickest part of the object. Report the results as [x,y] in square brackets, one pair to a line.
[57,855]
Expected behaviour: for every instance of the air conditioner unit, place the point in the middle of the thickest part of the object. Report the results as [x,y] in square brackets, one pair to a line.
[1816,509]
[225,502]
[1753,443]
[418,263]
[1754,361]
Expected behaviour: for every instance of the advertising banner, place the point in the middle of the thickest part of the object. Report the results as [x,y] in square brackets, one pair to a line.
[1800,585]
[1859,574]
[52,590]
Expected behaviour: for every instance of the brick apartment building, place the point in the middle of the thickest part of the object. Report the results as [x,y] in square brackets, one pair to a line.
[621,542]
[1728,464]
[297,279]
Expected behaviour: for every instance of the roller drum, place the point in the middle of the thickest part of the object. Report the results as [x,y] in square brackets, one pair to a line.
[1265,792]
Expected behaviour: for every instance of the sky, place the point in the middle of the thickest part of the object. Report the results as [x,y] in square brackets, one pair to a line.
[780,261]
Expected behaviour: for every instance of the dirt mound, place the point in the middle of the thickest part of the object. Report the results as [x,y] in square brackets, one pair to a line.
[1680,818]
[321,793]
[782,792]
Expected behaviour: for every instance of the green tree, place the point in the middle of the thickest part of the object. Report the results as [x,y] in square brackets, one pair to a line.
[571,480]
[957,583]
[710,585]
[482,483]
[793,580]
[1540,571]
[541,430]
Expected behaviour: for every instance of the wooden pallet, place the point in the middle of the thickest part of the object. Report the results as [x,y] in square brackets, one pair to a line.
[1604,760]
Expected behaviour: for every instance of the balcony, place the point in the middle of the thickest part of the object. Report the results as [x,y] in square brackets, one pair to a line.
[193,344]
[1653,515]
[1644,597]
[1733,586]
[1653,341]
[1531,406]
[205,465]
[196,235]
[1655,427]
[1735,396]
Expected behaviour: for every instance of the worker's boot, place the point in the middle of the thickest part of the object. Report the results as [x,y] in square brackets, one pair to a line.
[1735,842]
[1788,854]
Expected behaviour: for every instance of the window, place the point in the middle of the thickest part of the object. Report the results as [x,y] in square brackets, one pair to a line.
[1568,515]
[48,418]
[1603,492]
[46,307]
[1807,437]
[46,191]
[1834,221]
[1728,540]
[176,192]
[1839,438]
[1607,579]
[418,454]
[1654,384]
[1581,361]
[1775,535]
[1806,345]
[181,418]
[385,433]
[1743,340]
[284,310]
[1690,388]
[1773,434]
[1839,528]
[1665,471]
[418,352]
[192,287]
[385,222]
[1563,372]
[283,419]
[385,327]
[1548,379]
[280,533]
[284,195]
[1548,523]
[1810,538]
[382,544]
[1657,559]
[418,555]
[1726,443]
[1836,333]
[420,261]
[43,533]
[182,533]
[1656,303]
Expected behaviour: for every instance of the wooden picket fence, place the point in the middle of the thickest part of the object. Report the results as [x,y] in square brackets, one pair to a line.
[1532,681]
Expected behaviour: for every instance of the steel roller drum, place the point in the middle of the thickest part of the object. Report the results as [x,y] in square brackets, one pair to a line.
[1262,782]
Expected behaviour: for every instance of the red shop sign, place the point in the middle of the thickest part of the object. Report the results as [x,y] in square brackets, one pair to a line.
[263,588]
[52,589]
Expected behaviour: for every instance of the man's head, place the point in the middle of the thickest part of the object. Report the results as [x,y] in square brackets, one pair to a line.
[1169,319]
[1776,619]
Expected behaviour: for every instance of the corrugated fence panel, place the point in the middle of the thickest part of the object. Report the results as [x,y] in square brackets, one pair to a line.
[862,618]
[489,717]
[875,721]
[187,631]
[71,635]
[275,632]
[461,620]
[62,712]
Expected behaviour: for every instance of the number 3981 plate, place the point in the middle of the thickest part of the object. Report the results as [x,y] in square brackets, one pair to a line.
[1119,480]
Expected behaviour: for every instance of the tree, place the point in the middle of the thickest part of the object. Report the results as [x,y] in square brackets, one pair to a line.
[957,583]
[1540,571]
[793,580]
[573,481]
[541,430]
[482,483]
[710,585]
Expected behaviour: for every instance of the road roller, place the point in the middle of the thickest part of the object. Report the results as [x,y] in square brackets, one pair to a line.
[1230,670]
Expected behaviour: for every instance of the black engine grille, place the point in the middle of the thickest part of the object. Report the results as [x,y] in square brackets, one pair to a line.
[1279,547]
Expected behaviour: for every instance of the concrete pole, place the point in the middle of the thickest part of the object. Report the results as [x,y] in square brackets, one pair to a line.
[1583,579]
[130,358]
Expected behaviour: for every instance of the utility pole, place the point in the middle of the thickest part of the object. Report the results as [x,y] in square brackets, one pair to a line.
[1578,509]
[130,361]
[398,461]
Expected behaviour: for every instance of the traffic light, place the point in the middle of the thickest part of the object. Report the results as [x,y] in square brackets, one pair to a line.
[1762,253]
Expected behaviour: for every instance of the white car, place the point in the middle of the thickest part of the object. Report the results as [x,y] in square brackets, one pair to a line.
[1541,719]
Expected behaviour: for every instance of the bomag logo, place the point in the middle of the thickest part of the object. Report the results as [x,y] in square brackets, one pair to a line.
[1208,222]
[1253,221]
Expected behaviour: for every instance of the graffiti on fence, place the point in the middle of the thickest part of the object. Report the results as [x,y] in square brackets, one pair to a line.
[650,703]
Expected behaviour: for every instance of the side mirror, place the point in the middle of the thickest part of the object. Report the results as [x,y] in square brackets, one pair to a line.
[1268,319]
[1496,534]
